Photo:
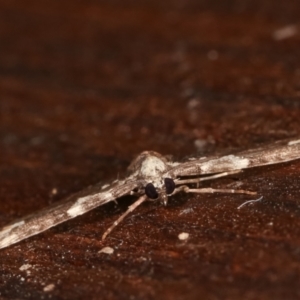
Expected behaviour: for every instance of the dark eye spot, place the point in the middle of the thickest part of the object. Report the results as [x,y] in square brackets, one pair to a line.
[150,191]
[170,185]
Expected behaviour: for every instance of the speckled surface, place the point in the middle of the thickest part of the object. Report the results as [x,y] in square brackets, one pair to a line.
[85,86]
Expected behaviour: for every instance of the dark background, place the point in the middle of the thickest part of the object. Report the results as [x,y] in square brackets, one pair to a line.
[87,85]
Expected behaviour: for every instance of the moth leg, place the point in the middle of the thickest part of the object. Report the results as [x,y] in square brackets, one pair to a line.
[215,176]
[130,209]
[186,189]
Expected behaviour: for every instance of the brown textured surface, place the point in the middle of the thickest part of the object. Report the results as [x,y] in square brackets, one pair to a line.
[85,86]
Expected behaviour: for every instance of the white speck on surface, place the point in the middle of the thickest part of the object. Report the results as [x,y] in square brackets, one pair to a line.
[293,142]
[54,191]
[183,236]
[25,267]
[48,288]
[107,250]
[285,32]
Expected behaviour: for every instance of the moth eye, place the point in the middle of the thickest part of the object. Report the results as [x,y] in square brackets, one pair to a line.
[150,191]
[170,185]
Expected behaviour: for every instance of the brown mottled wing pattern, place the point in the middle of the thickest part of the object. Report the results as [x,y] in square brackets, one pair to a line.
[62,211]
[274,153]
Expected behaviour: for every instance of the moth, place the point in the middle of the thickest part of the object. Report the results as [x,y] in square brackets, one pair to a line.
[151,176]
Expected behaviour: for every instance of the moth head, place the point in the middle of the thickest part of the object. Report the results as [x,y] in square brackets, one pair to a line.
[162,193]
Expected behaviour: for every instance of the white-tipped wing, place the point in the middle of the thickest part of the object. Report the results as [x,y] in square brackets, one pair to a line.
[60,212]
[275,153]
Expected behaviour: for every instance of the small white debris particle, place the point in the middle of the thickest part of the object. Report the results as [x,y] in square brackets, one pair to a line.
[183,236]
[48,288]
[54,191]
[285,32]
[25,267]
[107,250]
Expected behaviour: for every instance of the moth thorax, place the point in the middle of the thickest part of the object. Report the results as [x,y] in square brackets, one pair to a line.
[152,167]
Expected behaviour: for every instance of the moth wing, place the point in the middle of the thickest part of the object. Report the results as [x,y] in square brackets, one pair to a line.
[278,152]
[63,211]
